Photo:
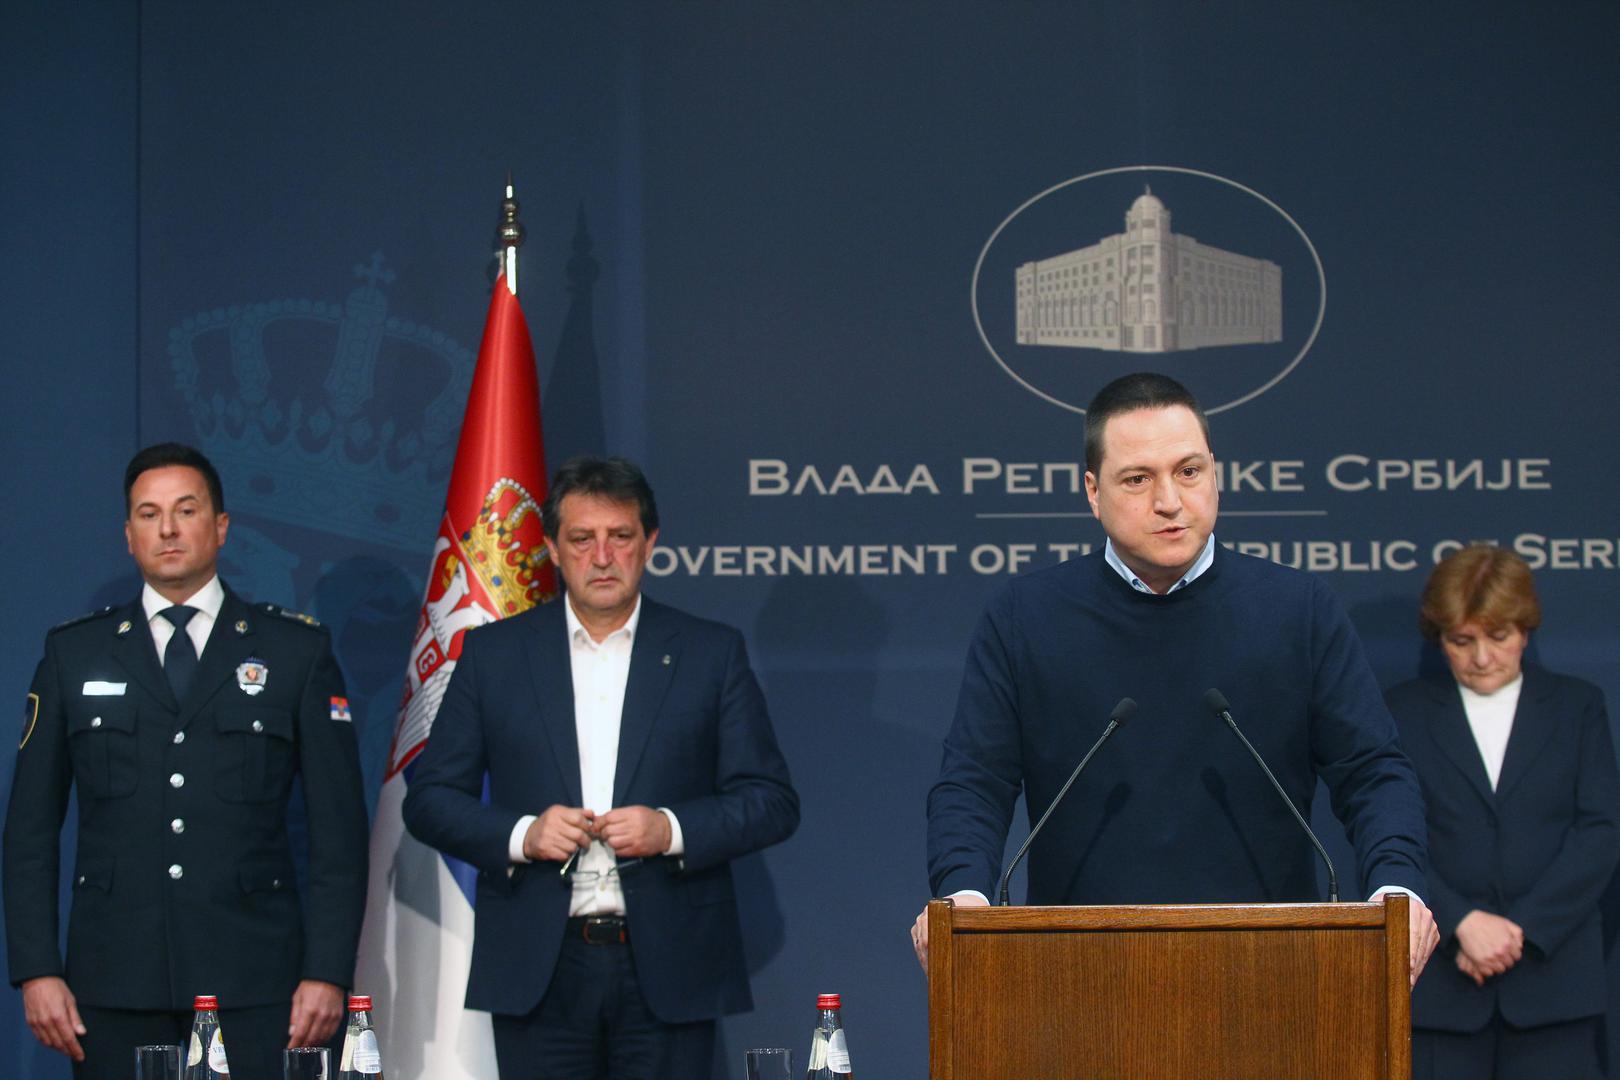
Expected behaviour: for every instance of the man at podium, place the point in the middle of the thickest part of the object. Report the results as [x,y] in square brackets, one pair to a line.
[1172,809]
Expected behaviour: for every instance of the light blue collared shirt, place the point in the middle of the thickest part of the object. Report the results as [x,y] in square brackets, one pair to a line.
[1205,560]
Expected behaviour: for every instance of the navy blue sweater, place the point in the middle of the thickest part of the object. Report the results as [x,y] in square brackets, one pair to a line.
[1172,809]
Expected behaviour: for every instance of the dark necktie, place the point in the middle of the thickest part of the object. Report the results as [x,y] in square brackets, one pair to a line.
[180,656]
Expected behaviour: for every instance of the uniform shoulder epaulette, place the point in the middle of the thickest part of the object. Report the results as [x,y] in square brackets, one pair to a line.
[88,616]
[290,616]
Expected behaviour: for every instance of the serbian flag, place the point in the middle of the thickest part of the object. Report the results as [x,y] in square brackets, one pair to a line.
[489,562]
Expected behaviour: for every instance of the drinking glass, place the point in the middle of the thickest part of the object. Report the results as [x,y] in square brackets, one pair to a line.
[157,1062]
[771,1063]
[306,1063]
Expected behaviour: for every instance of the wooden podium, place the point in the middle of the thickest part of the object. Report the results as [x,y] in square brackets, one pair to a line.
[1197,992]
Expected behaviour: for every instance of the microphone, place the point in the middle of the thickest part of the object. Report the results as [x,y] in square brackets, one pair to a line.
[1216,703]
[1122,712]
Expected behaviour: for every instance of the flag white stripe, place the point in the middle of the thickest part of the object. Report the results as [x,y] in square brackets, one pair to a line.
[415,952]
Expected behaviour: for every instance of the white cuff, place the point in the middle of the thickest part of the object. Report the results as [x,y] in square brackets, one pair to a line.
[968,892]
[1383,890]
[514,843]
[677,843]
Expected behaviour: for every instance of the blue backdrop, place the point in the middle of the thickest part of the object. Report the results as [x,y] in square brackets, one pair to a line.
[772,254]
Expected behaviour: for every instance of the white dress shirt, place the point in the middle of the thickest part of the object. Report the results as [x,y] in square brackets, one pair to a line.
[1490,717]
[600,671]
[207,600]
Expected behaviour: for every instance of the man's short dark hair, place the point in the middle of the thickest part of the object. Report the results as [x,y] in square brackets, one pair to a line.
[615,478]
[162,455]
[1128,393]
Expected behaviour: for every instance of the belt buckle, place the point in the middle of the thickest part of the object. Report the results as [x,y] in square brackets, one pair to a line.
[604,930]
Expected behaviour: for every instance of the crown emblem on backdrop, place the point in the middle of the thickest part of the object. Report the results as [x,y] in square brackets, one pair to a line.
[504,548]
[319,410]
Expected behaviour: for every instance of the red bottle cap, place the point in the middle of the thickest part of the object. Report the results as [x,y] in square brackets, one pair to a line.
[827,1001]
[359,1002]
[205,1001]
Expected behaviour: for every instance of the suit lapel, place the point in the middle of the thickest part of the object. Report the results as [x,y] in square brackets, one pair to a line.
[551,676]
[653,658]
[135,653]
[1533,724]
[1455,738]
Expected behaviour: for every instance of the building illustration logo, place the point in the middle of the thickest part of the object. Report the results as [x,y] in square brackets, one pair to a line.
[1064,300]
[1149,290]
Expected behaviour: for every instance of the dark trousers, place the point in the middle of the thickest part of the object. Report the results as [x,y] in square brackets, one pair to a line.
[593,1024]
[1501,1051]
[253,1038]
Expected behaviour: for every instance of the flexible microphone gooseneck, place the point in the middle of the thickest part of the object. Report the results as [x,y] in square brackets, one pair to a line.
[1216,701]
[1122,712]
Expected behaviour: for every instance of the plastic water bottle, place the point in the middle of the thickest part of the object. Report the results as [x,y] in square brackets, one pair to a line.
[361,1058]
[205,1057]
[829,1053]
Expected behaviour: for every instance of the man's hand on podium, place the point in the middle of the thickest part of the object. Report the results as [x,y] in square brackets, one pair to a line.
[919,929]
[1423,936]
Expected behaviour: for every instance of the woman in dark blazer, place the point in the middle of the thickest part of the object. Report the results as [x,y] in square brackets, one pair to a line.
[1518,772]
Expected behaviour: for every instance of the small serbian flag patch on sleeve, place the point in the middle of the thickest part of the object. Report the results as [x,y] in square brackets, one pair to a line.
[340,710]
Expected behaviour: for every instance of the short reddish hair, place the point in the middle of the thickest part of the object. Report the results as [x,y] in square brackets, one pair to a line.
[1480,583]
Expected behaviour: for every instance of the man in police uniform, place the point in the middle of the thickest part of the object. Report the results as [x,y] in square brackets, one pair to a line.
[181,719]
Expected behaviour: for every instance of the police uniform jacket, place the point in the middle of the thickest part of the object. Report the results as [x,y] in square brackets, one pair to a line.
[184,881]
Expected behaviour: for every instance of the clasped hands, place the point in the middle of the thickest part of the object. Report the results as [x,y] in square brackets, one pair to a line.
[631,831]
[1487,945]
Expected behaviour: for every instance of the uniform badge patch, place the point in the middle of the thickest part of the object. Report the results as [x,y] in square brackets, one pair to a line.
[30,716]
[340,710]
[251,675]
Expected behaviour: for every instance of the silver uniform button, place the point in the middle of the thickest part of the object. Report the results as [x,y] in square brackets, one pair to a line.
[177,780]
[96,722]
[178,825]
[177,871]
[258,725]
[179,737]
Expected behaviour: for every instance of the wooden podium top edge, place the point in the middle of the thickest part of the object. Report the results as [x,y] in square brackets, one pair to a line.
[1169,916]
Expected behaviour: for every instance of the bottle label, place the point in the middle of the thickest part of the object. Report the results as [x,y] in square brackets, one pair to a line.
[818,1050]
[216,1055]
[367,1059]
[838,1053]
[194,1055]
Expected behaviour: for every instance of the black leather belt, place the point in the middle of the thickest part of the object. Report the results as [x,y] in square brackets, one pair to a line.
[599,929]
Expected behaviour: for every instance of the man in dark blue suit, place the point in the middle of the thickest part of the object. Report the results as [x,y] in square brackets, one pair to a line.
[180,720]
[1518,773]
[629,759]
